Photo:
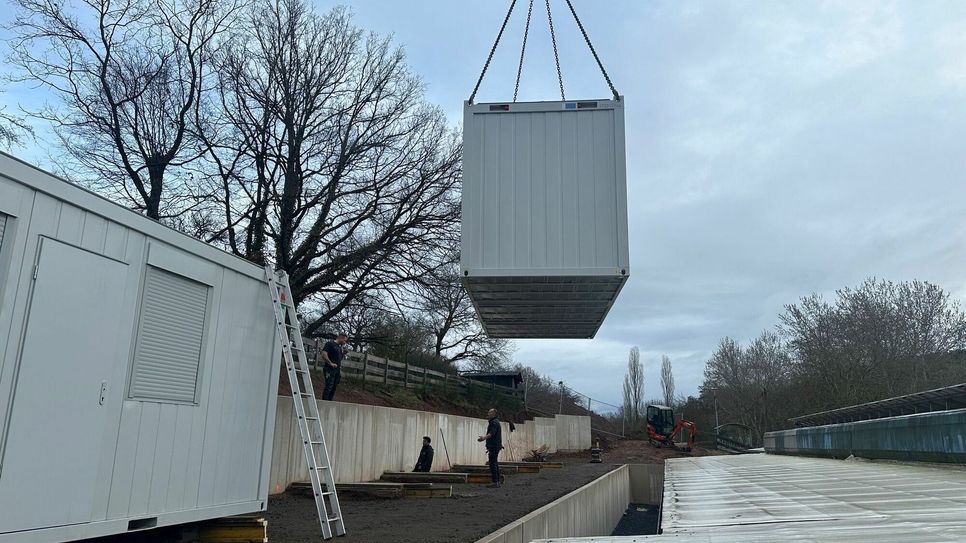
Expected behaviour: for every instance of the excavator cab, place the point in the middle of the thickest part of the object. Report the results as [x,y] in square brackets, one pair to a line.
[661,418]
[661,429]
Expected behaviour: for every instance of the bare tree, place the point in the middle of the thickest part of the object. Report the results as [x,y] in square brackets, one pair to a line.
[667,381]
[458,335]
[752,386]
[634,388]
[329,161]
[128,74]
[877,340]
[13,130]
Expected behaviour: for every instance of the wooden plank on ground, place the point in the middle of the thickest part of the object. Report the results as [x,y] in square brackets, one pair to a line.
[242,529]
[482,478]
[430,490]
[466,468]
[370,490]
[422,477]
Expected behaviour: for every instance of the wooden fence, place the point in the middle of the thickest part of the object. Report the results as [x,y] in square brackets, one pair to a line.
[376,369]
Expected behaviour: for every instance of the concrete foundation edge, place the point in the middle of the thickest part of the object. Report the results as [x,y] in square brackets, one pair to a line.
[594,509]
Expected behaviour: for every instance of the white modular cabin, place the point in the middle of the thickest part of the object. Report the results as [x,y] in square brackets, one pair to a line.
[544,232]
[138,369]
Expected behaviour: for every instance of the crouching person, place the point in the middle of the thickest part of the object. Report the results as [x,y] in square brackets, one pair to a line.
[425,461]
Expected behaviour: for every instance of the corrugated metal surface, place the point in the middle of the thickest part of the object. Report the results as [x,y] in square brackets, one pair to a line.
[544,231]
[170,337]
[734,499]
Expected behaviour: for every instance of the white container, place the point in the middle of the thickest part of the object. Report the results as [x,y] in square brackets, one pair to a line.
[138,369]
[544,234]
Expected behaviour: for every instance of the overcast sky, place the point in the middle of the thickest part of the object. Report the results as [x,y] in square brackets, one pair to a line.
[774,149]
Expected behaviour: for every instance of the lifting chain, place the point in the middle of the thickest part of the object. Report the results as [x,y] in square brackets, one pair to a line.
[556,55]
[523,50]
[592,50]
[492,50]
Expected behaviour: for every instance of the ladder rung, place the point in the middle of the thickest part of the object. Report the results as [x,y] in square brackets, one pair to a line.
[321,467]
[334,519]
[311,418]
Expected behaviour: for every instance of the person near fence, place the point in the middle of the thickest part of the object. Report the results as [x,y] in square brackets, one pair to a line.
[425,461]
[332,354]
[494,443]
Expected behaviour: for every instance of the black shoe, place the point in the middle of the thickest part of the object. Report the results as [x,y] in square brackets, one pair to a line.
[493,485]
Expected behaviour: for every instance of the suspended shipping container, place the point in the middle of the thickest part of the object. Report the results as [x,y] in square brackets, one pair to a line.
[138,369]
[544,233]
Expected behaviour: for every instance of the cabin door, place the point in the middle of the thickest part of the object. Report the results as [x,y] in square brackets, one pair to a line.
[58,418]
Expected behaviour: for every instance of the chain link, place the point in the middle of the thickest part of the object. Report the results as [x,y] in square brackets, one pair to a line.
[492,50]
[592,50]
[523,50]
[556,56]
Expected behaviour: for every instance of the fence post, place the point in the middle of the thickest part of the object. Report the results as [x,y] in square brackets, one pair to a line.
[365,366]
[445,382]
[407,374]
[385,374]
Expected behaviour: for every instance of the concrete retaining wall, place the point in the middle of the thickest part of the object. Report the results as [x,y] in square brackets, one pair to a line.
[927,437]
[591,510]
[365,440]
[573,433]
[647,483]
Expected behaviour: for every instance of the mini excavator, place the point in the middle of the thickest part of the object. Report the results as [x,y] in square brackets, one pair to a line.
[661,429]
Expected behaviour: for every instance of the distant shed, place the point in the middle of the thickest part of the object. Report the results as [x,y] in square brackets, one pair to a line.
[509,379]
[138,369]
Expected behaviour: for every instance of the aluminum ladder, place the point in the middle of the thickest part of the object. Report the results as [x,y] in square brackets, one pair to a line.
[306,406]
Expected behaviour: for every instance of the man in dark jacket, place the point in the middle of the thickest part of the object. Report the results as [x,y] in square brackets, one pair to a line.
[425,461]
[332,354]
[494,442]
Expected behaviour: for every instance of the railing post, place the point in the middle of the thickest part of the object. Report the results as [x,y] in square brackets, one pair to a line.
[365,366]
[407,374]
[385,373]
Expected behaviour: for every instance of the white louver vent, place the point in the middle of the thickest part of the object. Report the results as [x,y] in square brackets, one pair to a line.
[170,338]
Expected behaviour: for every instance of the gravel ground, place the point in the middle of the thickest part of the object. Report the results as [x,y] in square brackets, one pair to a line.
[471,513]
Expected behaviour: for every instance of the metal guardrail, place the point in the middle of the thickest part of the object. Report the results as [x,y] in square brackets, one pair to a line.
[376,369]
[730,445]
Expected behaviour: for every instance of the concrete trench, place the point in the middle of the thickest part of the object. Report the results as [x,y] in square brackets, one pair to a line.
[594,509]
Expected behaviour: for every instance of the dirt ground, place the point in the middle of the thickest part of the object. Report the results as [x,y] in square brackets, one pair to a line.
[471,513]
[641,452]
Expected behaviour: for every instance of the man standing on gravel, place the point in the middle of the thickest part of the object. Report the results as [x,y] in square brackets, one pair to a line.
[332,354]
[494,442]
